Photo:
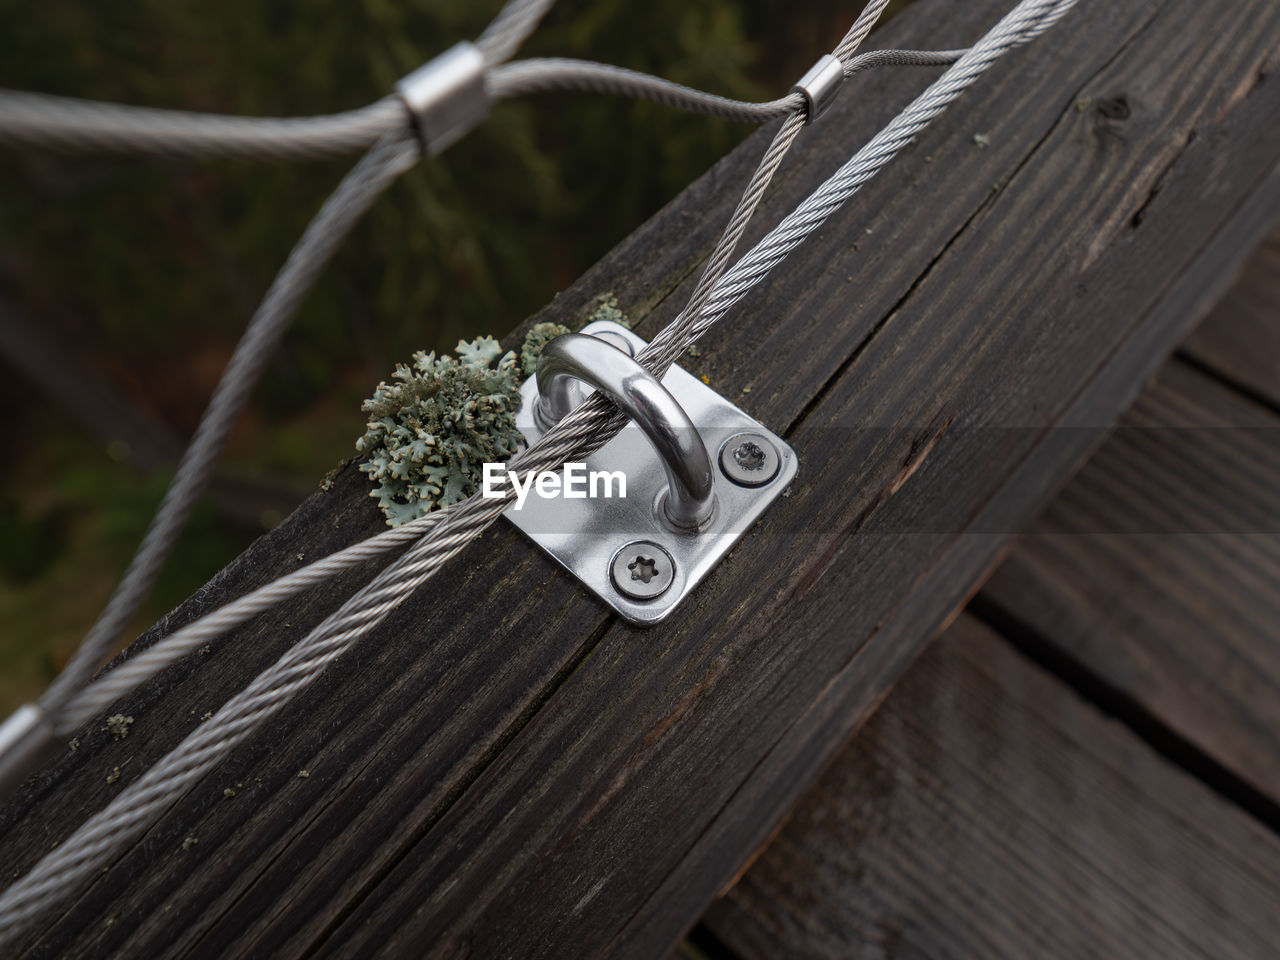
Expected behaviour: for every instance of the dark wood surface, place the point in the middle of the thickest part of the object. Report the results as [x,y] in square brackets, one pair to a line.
[987,811]
[1158,570]
[505,770]
[1242,341]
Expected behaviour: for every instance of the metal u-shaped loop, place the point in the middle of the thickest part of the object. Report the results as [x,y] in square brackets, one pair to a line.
[641,397]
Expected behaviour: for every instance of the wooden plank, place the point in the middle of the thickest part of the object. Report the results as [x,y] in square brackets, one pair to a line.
[1240,341]
[986,811]
[1158,570]
[504,769]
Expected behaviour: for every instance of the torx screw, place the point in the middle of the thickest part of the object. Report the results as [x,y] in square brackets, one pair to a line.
[749,459]
[642,570]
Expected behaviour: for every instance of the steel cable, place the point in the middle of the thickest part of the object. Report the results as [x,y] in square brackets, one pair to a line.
[396,153]
[182,132]
[392,155]
[510,28]
[65,123]
[110,687]
[584,430]
[524,77]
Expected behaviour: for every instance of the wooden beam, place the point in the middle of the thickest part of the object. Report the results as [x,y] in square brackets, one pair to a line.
[987,811]
[504,769]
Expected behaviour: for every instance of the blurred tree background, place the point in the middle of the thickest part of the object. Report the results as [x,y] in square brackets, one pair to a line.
[124,283]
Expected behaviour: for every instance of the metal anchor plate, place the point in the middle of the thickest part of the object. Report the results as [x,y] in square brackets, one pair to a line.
[624,549]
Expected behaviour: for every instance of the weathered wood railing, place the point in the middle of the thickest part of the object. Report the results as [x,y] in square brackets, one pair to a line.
[505,769]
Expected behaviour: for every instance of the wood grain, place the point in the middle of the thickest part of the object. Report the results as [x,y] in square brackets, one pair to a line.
[504,770]
[1241,339]
[986,811]
[1158,569]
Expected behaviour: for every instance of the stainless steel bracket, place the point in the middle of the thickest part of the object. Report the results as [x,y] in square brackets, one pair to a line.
[626,549]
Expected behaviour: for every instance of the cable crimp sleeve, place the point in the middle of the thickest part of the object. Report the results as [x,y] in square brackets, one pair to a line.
[820,85]
[446,96]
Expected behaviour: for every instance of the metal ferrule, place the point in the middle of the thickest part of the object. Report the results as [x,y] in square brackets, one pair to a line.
[446,96]
[820,85]
[637,392]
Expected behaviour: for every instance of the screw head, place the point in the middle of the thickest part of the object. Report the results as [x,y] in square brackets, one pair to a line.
[642,570]
[749,459]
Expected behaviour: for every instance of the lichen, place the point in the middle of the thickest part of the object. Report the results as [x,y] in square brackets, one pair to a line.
[118,725]
[606,308]
[539,335]
[431,430]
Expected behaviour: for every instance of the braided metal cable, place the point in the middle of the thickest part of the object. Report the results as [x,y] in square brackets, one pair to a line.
[586,429]
[84,704]
[142,801]
[68,715]
[114,684]
[595,421]
[510,28]
[854,36]
[64,123]
[391,156]
[1027,21]
[545,75]
[324,235]
[901,58]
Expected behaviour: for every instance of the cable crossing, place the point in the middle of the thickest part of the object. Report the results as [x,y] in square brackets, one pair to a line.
[432,106]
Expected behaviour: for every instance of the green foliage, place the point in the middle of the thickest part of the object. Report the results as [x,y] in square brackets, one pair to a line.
[29,545]
[433,428]
[117,508]
[539,335]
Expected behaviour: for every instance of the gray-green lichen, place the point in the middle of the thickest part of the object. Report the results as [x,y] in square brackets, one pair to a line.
[431,430]
[606,308]
[539,335]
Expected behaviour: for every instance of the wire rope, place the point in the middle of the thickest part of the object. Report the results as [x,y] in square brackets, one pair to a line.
[588,427]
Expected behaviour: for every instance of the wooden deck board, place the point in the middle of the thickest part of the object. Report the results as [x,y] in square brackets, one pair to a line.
[1241,340]
[987,811]
[503,769]
[1158,570]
